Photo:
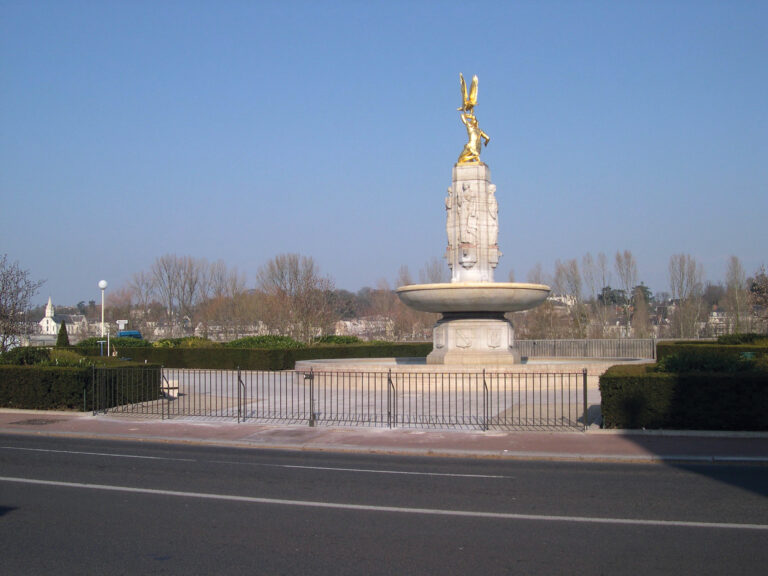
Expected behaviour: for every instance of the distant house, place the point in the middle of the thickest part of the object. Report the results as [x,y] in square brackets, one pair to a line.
[51,323]
[563,299]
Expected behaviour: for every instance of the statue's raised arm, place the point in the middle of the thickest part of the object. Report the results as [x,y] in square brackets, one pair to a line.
[468,100]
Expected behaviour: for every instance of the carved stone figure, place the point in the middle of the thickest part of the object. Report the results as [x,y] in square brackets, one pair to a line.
[449,217]
[467,202]
[493,212]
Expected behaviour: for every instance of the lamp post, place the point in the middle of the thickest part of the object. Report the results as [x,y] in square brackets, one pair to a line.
[103,286]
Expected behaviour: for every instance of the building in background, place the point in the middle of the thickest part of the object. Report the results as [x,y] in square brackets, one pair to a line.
[51,323]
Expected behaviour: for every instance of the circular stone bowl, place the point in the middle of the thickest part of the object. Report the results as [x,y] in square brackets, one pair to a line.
[473,296]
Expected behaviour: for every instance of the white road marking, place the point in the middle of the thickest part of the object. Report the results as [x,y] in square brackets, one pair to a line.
[97,454]
[290,466]
[390,509]
[365,470]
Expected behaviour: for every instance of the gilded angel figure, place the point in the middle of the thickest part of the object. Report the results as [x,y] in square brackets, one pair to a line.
[475,136]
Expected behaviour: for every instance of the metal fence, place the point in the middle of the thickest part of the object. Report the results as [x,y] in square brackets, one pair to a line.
[469,400]
[639,348]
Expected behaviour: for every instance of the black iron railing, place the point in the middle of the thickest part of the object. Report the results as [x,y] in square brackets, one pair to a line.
[472,400]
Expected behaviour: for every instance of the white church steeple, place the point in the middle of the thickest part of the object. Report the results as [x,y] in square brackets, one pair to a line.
[49,308]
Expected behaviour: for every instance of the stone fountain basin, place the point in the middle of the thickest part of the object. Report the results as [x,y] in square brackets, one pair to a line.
[473,296]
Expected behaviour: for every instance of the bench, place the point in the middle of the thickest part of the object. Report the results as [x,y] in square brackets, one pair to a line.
[170,388]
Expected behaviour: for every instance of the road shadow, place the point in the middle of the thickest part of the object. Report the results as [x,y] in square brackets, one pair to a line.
[738,461]
[5,509]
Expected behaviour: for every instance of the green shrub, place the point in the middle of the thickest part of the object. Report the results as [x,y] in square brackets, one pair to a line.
[66,388]
[25,356]
[708,355]
[750,338]
[265,358]
[268,341]
[185,342]
[69,357]
[709,359]
[90,343]
[636,396]
[63,337]
[365,350]
[212,358]
[336,340]
[43,387]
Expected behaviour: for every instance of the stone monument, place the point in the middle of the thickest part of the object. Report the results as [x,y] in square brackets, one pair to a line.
[473,328]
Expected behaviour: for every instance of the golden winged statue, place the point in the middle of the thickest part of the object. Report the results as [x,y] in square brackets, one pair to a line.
[471,151]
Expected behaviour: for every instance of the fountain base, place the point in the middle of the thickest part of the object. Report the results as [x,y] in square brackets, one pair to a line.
[474,338]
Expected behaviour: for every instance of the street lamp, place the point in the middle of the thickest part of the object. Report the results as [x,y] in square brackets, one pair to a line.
[103,286]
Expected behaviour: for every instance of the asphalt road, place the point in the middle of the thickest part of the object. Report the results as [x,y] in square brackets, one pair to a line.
[73,506]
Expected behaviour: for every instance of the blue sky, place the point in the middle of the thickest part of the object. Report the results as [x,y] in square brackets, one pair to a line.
[242,130]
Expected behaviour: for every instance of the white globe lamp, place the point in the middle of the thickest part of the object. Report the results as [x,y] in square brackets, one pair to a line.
[103,286]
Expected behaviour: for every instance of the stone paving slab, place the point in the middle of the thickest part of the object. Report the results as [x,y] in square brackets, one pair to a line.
[593,445]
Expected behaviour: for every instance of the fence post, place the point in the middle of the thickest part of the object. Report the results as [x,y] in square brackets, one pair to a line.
[164,393]
[311,378]
[485,403]
[586,405]
[390,387]
[239,395]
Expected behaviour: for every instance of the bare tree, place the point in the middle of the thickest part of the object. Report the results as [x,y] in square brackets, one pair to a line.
[180,282]
[404,277]
[685,282]
[641,326]
[434,271]
[546,320]
[597,276]
[590,275]
[300,296]
[222,305]
[737,296]
[16,291]
[191,275]
[536,275]
[626,270]
[142,286]
[567,282]
[165,277]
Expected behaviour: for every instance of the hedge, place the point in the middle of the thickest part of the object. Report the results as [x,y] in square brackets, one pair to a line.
[124,342]
[267,359]
[639,396]
[57,388]
[700,347]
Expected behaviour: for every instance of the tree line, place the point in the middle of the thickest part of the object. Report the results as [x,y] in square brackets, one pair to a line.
[186,295]
[600,297]
[592,297]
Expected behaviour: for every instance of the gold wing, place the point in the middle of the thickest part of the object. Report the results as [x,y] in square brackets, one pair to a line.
[464,99]
[472,92]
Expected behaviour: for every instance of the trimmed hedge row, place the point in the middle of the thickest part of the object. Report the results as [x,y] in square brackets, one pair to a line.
[267,359]
[43,387]
[58,388]
[709,352]
[638,396]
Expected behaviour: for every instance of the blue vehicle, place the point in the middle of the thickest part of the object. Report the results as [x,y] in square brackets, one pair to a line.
[129,334]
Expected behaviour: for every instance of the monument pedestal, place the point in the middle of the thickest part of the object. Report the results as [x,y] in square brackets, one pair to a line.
[473,330]
[472,224]
[479,338]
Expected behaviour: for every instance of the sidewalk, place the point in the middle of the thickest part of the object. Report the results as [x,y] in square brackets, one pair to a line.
[591,446]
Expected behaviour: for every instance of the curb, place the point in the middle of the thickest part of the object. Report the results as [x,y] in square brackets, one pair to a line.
[538,456]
